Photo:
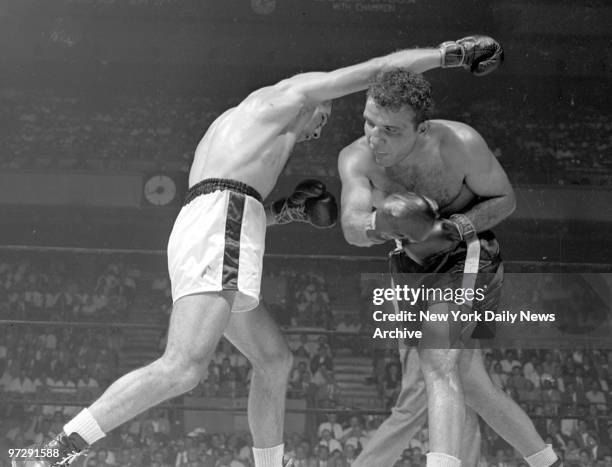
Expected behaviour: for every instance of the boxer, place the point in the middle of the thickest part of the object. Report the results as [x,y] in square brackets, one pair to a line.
[430,186]
[216,247]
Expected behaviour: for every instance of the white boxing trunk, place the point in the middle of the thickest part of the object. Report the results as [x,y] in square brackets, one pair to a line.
[218,241]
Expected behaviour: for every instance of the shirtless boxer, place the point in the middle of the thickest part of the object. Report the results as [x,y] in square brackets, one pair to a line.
[428,184]
[215,251]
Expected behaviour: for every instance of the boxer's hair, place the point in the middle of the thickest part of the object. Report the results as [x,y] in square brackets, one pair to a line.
[395,88]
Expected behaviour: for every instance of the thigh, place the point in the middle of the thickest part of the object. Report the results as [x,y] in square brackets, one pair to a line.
[475,380]
[471,363]
[442,331]
[257,336]
[197,323]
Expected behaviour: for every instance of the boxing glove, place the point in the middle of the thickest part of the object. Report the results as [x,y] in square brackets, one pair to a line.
[310,202]
[405,216]
[479,54]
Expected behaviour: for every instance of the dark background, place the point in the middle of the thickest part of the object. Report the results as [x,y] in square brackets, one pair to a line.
[97,96]
[130,86]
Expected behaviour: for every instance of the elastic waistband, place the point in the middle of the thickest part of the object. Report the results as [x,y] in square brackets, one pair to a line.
[209,185]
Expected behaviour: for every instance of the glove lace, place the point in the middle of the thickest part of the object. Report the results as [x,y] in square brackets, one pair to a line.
[295,213]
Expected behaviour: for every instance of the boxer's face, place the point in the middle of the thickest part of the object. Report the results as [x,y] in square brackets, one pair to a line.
[391,135]
[314,126]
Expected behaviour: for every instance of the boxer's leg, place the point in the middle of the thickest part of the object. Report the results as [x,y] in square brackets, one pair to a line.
[407,417]
[445,401]
[470,439]
[501,412]
[196,325]
[258,337]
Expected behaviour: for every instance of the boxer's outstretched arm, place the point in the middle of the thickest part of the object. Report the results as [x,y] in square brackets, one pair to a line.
[356,199]
[323,86]
[486,178]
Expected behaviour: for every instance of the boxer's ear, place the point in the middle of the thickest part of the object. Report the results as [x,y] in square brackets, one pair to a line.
[423,127]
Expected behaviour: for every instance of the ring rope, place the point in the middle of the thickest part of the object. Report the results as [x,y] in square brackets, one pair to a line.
[243,410]
[378,258]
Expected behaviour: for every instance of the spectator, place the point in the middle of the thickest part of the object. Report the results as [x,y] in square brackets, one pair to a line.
[498,377]
[596,396]
[322,358]
[332,426]
[509,362]
[322,458]
[329,442]
[300,459]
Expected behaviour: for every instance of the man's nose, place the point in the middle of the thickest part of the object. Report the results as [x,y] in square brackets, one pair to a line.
[375,140]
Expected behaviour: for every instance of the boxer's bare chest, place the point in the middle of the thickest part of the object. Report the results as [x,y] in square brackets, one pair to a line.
[428,176]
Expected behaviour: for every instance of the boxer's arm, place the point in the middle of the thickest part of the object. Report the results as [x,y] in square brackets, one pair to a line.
[323,86]
[356,199]
[486,178]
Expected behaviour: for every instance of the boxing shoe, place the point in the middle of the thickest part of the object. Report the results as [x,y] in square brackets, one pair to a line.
[57,452]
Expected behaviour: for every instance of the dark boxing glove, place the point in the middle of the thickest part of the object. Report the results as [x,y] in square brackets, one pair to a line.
[479,54]
[310,203]
[406,216]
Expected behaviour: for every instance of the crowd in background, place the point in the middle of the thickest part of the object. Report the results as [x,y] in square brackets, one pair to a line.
[45,130]
[58,290]
[567,392]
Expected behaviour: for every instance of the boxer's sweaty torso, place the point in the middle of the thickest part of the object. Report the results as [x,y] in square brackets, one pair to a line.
[430,171]
[251,143]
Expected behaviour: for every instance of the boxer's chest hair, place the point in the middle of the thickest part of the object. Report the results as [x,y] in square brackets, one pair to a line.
[432,179]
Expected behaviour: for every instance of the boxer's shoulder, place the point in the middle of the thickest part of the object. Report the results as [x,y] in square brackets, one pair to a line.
[450,131]
[459,142]
[356,158]
[272,101]
[356,149]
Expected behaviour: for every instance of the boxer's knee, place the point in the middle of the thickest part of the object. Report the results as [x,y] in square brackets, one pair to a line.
[184,371]
[478,388]
[480,393]
[275,361]
[438,363]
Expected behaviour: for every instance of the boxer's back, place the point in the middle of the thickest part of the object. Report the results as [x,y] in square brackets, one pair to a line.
[252,142]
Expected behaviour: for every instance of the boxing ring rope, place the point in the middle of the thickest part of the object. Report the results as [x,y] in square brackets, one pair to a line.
[161,327]
[355,258]
[201,408]
[293,410]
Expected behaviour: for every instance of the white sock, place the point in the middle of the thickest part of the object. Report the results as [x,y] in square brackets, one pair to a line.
[85,426]
[269,457]
[438,459]
[543,458]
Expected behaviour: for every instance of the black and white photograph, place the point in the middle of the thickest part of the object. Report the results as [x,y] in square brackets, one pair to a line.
[305,233]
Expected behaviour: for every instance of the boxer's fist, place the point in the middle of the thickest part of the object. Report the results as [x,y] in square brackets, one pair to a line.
[406,216]
[479,54]
[443,234]
[310,203]
[305,190]
[321,212]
